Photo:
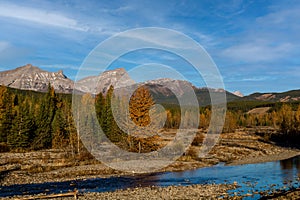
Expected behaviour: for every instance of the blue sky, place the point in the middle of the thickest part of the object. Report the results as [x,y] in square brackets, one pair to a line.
[255,44]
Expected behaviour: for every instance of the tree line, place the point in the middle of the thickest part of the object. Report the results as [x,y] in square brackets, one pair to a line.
[32,121]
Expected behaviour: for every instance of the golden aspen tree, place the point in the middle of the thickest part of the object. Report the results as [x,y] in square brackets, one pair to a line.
[139,111]
[139,106]
[286,119]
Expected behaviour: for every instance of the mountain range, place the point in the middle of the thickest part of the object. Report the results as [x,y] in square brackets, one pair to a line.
[30,77]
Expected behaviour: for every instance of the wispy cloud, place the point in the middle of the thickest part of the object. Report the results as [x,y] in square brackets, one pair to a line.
[257,78]
[257,52]
[230,8]
[251,41]
[60,67]
[279,18]
[272,37]
[40,16]
[156,37]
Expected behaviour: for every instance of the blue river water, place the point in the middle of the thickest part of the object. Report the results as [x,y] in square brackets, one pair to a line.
[251,178]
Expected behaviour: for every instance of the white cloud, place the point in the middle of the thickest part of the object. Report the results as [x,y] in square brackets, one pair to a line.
[40,16]
[119,10]
[291,71]
[287,18]
[257,78]
[166,38]
[271,37]
[206,39]
[228,9]
[61,67]
[257,52]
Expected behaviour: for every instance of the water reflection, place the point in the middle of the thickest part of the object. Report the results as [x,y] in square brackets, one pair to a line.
[290,167]
[251,178]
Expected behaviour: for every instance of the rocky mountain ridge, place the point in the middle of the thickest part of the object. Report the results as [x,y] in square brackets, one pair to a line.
[102,82]
[238,93]
[29,77]
[288,96]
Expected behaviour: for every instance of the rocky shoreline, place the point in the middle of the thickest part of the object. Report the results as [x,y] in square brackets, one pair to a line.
[209,191]
[16,175]
[171,192]
[233,149]
[199,191]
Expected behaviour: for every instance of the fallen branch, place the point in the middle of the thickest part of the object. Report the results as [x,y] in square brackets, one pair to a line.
[69,194]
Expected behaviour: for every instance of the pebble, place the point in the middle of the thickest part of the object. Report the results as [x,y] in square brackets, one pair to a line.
[171,192]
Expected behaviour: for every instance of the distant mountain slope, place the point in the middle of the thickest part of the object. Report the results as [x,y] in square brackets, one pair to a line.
[164,90]
[238,93]
[102,82]
[29,77]
[292,95]
[168,87]
[165,95]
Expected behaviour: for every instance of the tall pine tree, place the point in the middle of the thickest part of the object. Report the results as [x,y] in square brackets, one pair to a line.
[59,128]
[5,113]
[22,128]
[43,138]
[105,116]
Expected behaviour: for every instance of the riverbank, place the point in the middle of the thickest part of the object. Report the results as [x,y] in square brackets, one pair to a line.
[291,194]
[266,158]
[172,192]
[240,147]
[209,191]
[198,191]
[237,148]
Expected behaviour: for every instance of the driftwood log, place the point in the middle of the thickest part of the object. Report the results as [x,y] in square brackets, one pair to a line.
[68,194]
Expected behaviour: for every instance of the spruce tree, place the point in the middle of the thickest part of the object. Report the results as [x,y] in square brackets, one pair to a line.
[44,121]
[111,128]
[22,128]
[99,107]
[105,116]
[108,116]
[59,128]
[5,113]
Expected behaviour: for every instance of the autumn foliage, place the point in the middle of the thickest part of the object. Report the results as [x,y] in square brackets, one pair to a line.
[31,120]
[139,106]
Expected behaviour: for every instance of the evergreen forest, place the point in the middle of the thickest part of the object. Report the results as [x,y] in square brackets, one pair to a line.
[32,121]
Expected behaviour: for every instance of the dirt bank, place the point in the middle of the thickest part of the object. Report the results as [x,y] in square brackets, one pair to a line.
[212,191]
[241,147]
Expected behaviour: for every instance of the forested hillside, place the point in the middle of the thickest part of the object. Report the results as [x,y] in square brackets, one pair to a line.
[32,120]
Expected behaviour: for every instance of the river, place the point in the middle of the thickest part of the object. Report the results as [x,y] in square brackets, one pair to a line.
[251,178]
